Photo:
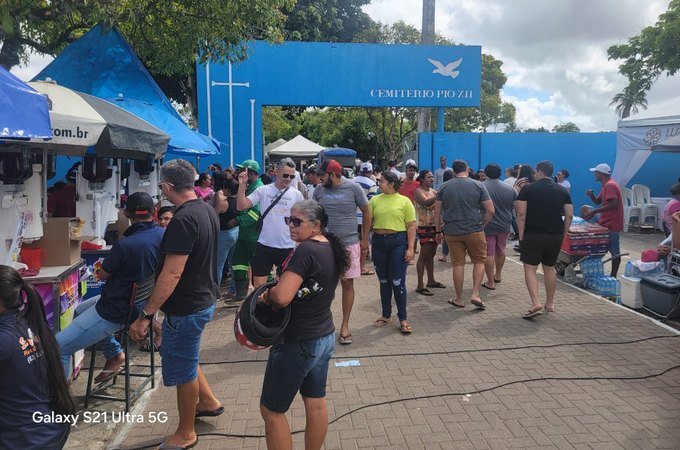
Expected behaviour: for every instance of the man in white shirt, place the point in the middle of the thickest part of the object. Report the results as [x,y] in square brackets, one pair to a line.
[392,167]
[274,243]
[439,173]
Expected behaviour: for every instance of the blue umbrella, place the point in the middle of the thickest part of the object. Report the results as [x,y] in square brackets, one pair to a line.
[24,112]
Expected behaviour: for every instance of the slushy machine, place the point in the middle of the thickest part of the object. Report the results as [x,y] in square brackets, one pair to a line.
[22,182]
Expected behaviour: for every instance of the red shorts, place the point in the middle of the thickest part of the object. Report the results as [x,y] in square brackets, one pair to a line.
[427,235]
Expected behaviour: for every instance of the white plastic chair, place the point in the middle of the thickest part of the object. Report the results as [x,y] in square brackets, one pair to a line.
[629,208]
[648,210]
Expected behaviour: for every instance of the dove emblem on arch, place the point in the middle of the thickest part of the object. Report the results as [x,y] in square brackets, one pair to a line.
[448,70]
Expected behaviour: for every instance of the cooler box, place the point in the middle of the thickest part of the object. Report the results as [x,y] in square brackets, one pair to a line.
[661,294]
[631,292]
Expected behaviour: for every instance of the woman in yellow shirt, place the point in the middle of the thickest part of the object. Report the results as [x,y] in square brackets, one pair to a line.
[394,236]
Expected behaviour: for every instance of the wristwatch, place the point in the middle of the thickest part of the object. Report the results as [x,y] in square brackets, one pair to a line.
[145,316]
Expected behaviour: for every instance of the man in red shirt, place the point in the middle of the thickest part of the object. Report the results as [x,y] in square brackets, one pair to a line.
[611,211]
[61,201]
[409,183]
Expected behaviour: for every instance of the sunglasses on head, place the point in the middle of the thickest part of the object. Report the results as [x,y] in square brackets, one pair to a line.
[285,175]
[294,220]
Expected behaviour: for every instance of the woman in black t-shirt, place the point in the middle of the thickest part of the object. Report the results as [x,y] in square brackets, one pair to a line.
[307,282]
[225,205]
[32,382]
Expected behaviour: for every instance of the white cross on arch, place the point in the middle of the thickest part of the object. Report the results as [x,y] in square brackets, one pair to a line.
[231,85]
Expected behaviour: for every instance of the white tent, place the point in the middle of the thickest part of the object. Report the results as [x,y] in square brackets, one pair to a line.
[299,146]
[657,129]
[271,146]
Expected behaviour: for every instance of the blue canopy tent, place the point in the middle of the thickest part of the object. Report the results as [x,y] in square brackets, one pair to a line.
[102,63]
[24,112]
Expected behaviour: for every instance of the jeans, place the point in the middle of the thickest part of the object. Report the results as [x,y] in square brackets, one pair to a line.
[88,328]
[296,366]
[182,345]
[225,245]
[388,259]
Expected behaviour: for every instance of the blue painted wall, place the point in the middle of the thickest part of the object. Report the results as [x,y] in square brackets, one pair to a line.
[329,74]
[576,152]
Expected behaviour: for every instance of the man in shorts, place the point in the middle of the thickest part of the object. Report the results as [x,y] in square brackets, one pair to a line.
[610,211]
[460,202]
[540,207]
[275,201]
[185,290]
[497,231]
[341,198]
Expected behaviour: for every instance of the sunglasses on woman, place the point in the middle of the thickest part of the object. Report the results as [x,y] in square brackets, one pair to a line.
[295,221]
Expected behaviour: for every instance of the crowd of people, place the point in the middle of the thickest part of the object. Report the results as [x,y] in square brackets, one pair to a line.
[306,231]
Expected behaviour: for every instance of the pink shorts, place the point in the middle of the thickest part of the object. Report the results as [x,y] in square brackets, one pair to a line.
[354,270]
[495,244]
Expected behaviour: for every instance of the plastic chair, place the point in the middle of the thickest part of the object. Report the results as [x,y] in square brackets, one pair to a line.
[629,208]
[648,210]
[140,292]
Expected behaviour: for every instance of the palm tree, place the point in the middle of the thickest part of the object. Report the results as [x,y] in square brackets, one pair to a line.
[627,102]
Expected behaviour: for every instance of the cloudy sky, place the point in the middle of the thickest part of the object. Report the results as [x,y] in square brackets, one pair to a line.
[554,51]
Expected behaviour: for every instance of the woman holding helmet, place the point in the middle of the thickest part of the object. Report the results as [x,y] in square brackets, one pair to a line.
[299,361]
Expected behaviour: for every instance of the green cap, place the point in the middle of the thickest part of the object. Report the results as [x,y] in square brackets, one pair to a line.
[249,164]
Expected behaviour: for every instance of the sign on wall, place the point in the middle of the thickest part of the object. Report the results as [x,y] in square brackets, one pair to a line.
[328,74]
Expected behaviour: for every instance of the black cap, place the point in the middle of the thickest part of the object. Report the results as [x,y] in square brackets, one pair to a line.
[140,204]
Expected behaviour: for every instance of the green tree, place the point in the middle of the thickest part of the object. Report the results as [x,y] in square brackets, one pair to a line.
[568,127]
[646,56]
[537,130]
[167,35]
[628,101]
[325,20]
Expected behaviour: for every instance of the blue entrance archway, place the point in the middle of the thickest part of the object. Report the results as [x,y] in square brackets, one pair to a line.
[231,96]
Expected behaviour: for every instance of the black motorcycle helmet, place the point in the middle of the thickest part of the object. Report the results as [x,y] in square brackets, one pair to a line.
[257,325]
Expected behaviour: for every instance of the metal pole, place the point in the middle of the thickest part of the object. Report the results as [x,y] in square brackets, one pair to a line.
[427,38]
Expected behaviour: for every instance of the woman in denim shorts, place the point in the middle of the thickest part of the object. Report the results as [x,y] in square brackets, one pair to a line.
[299,361]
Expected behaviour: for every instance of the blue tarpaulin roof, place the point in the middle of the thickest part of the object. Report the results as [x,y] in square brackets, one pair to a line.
[103,64]
[24,113]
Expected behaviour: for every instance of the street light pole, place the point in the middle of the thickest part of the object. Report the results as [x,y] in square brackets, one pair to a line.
[427,38]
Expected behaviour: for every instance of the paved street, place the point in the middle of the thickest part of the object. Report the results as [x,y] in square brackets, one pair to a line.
[463,379]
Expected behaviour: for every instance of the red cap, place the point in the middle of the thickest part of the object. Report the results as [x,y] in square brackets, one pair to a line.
[330,166]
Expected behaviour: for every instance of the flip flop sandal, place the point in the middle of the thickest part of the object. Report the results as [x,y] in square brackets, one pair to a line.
[106,375]
[215,413]
[437,285]
[405,328]
[496,281]
[381,322]
[346,340]
[478,303]
[488,287]
[424,291]
[533,313]
[165,446]
[368,272]
[451,302]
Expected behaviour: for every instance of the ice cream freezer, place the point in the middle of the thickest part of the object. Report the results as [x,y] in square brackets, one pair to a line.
[62,290]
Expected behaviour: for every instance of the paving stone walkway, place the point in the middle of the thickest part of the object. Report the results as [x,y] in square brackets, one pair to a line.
[464,379]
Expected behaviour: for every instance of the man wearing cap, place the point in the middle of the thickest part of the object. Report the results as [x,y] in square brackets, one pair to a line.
[247,234]
[410,184]
[185,290]
[275,201]
[367,182]
[314,180]
[611,211]
[131,260]
[341,198]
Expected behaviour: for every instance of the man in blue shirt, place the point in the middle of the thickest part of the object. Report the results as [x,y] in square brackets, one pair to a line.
[132,259]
